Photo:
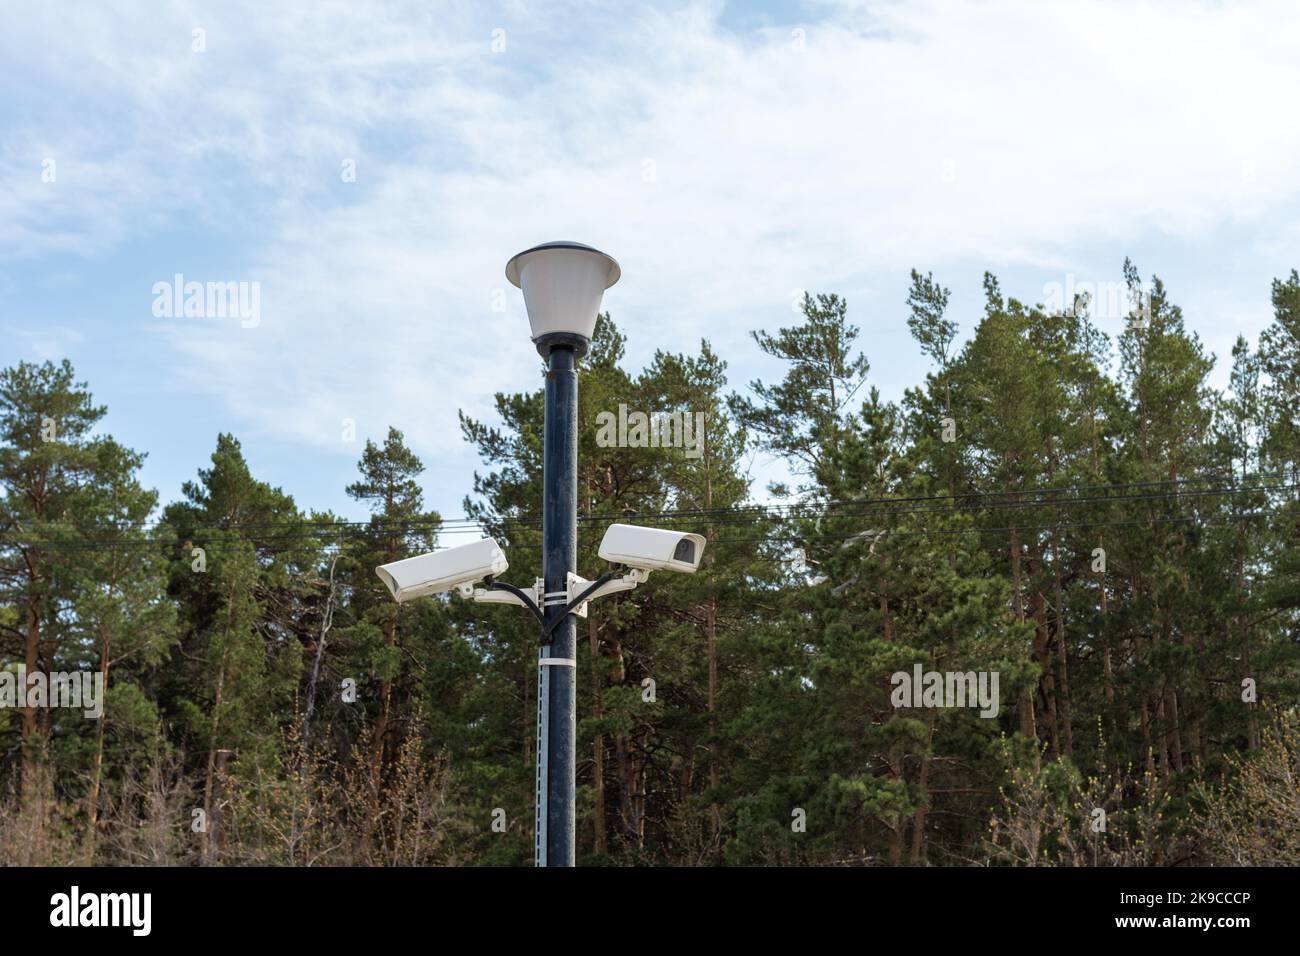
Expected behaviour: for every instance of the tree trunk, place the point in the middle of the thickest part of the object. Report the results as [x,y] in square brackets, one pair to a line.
[31,729]
[711,638]
[385,698]
[624,768]
[97,765]
[327,621]
[1026,705]
[601,843]
[1107,667]
[209,820]
[896,828]
[205,836]
[1146,739]
[1062,655]
[923,808]
[1046,682]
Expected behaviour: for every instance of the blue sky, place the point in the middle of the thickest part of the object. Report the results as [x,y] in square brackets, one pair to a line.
[726,154]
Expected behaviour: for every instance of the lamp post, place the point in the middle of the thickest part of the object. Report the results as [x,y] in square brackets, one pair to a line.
[562,283]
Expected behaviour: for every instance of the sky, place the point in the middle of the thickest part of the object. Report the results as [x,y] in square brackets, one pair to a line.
[368,169]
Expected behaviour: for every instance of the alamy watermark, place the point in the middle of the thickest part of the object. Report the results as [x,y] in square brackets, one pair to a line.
[923,688]
[209,300]
[656,430]
[78,690]
[75,908]
[1105,300]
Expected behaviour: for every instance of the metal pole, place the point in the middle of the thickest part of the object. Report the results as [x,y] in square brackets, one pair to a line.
[557,665]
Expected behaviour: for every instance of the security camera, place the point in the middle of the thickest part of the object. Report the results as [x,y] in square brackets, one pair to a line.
[652,549]
[440,571]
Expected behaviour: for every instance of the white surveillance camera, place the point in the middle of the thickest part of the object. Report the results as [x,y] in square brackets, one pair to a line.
[652,549]
[440,571]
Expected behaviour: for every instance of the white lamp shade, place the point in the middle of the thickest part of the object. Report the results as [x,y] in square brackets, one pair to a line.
[563,283]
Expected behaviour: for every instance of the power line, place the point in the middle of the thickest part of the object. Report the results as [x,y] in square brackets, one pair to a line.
[299,530]
[1025,529]
[380,525]
[300,535]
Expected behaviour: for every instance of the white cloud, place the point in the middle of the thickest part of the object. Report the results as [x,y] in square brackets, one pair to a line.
[1012,133]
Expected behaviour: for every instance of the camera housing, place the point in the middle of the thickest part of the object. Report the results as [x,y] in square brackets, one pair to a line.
[440,571]
[652,549]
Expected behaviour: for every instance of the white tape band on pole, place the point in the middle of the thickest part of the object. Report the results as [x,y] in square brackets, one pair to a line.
[557,662]
[543,778]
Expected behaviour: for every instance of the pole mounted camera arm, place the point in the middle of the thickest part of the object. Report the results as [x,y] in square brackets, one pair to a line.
[498,592]
[578,593]
[609,583]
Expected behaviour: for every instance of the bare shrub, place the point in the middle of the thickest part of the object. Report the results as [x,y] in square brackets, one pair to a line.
[150,822]
[1254,818]
[1049,814]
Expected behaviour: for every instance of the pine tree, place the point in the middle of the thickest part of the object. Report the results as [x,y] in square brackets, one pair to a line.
[236,576]
[382,631]
[65,485]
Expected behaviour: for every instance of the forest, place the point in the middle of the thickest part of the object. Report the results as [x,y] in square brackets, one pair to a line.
[1079,520]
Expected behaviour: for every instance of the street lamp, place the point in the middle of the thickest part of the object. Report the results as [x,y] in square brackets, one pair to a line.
[563,283]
